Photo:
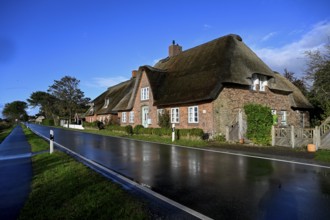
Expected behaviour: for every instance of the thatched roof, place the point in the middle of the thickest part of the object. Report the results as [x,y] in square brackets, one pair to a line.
[198,74]
[297,99]
[117,95]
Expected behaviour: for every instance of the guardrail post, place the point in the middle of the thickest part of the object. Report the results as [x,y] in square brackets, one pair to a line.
[51,141]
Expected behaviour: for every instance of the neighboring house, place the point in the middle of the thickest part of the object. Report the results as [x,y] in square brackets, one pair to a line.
[207,86]
[102,107]
[39,119]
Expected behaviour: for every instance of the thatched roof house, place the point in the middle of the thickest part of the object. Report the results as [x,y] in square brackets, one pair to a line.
[109,101]
[205,87]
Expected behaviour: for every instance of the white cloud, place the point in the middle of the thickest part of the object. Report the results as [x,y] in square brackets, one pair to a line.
[292,55]
[105,81]
[268,36]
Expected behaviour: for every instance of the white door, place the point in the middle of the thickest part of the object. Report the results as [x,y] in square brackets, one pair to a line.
[145,116]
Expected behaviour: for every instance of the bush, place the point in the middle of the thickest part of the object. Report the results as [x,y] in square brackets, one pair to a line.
[137,129]
[129,129]
[259,123]
[220,138]
[4,125]
[48,122]
[164,119]
[188,133]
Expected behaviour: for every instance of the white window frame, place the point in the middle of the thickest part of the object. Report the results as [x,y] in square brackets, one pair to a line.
[193,116]
[262,83]
[123,117]
[131,117]
[106,103]
[144,93]
[175,115]
[284,118]
[259,80]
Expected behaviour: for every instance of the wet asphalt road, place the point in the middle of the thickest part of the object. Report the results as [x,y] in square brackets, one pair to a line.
[218,185]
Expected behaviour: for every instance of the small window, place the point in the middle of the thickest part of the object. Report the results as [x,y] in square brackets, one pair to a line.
[283,118]
[259,81]
[131,117]
[106,103]
[123,117]
[193,114]
[262,83]
[145,93]
[175,115]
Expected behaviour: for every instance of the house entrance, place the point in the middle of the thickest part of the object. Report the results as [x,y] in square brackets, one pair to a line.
[145,116]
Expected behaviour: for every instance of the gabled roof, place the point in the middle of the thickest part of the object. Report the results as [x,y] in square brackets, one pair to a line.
[199,74]
[116,96]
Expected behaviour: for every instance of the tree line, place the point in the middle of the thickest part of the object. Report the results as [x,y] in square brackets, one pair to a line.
[62,99]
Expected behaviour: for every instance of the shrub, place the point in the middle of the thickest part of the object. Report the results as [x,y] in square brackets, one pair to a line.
[137,129]
[188,133]
[259,123]
[48,122]
[220,138]
[164,119]
[129,129]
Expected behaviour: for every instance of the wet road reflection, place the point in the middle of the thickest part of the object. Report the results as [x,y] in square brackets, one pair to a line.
[218,185]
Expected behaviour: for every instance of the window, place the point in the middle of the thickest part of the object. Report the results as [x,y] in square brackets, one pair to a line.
[260,81]
[145,93]
[193,114]
[175,115]
[159,113]
[131,117]
[283,118]
[123,117]
[106,103]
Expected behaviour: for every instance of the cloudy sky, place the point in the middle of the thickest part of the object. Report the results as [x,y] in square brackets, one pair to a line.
[100,42]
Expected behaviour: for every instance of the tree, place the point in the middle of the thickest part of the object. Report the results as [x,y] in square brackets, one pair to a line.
[299,83]
[318,72]
[47,104]
[69,98]
[15,110]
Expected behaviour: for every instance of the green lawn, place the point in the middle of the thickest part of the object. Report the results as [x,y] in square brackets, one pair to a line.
[322,155]
[63,188]
[151,138]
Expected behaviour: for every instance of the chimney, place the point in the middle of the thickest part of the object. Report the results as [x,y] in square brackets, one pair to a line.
[174,49]
[134,73]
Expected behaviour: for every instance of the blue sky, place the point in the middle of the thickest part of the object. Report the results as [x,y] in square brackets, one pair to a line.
[100,42]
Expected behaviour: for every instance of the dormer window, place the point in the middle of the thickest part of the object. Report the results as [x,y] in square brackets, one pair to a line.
[259,82]
[106,103]
[144,93]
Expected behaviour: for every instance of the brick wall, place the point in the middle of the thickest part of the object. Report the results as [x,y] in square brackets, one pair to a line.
[233,98]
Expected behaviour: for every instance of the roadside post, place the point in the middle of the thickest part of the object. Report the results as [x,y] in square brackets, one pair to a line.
[173,132]
[51,141]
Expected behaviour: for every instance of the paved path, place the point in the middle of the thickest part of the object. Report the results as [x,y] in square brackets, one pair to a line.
[15,173]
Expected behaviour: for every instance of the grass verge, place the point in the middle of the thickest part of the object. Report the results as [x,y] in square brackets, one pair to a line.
[322,155]
[62,188]
[151,138]
[37,143]
[4,133]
